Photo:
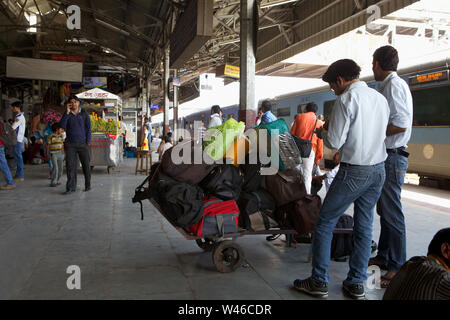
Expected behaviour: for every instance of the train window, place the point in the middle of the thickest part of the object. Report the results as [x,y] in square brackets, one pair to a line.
[327,107]
[301,108]
[431,106]
[284,112]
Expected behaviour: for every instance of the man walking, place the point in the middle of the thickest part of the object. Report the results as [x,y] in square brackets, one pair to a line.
[18,125]
[77,124]
[391,253]
[357,129]
[303,127]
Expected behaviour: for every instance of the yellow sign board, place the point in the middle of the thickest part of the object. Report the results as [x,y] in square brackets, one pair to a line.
[231,71]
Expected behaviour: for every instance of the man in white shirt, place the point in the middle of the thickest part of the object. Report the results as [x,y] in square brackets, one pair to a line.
[216,116]
[18,125]
[391,253]
[357,129]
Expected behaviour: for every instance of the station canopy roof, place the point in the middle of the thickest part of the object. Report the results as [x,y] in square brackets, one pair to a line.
[126,36]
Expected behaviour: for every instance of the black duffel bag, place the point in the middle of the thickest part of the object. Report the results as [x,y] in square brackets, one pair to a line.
[223,182]
[252,177]
[305,146]
[180,202]
[186,172]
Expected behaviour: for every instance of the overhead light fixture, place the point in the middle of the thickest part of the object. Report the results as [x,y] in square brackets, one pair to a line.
[111,27]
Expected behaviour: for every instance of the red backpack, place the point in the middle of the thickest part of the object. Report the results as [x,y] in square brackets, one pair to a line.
[219,218]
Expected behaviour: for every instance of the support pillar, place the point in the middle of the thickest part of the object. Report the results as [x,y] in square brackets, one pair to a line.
[248,107]
[175,109]
[166,91]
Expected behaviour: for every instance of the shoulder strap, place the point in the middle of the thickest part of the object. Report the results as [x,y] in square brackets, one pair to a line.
[312,133]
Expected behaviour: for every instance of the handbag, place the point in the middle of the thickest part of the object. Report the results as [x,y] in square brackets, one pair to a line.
[305,146]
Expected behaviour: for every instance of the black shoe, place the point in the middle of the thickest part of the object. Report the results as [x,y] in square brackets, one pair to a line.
[355,291]
[69,192]
[314,288]
[87,189]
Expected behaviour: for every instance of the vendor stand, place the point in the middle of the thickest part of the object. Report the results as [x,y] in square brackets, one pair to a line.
[106,147]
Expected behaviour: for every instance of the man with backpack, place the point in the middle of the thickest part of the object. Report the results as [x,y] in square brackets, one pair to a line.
[77,124]
[8,138]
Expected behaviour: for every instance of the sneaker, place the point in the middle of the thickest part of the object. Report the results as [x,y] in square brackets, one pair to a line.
[18,179]
[312,287]
[355,291]
[8,187]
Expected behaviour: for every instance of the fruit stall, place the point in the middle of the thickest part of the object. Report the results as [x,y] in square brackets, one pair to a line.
[106,147]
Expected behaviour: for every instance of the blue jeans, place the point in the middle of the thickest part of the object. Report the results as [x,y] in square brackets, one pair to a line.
[362,186]
[57,159]
[19,160]
[4,167]
[392,243]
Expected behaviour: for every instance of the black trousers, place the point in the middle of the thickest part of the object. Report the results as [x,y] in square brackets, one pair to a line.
[82,150]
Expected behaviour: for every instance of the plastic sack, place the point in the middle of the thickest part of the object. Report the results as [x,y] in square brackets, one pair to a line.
[287,149]
[238,150]
[219,139]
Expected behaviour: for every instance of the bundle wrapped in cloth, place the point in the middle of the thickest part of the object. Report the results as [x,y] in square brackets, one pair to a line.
[219,139]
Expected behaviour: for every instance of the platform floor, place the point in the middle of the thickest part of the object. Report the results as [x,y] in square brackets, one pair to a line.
[42,232]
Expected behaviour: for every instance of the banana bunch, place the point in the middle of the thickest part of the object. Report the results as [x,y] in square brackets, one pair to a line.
[100,125]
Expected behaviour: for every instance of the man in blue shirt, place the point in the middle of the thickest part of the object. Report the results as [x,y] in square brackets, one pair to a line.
[267,116]
[77,124]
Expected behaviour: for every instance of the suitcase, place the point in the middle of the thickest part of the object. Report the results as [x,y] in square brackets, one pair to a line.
[219,218]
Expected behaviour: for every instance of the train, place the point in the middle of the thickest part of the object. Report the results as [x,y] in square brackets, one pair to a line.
[429,146]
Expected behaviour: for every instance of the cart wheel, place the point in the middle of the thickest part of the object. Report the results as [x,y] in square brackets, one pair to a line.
[206,244]
[227,256]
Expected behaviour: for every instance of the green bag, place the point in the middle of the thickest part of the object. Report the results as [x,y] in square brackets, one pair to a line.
[218,139]
[288,151]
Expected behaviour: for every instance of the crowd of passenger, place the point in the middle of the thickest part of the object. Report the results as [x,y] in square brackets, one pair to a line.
[63,141]
[370,129]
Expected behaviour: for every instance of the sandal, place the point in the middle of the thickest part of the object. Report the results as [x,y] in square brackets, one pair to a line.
[375,262]
[387,280]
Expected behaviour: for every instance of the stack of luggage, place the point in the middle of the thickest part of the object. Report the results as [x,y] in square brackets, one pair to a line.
[208,197]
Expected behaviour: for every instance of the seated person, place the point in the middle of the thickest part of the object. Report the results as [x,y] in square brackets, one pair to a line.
[166,144]
[329,176]
[424,278]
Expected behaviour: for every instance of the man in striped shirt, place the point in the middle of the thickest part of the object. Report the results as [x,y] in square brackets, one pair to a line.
[424,278]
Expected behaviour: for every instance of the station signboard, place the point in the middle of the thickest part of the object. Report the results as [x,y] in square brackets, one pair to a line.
[228,70]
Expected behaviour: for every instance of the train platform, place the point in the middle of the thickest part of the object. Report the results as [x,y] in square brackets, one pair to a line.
[43,232]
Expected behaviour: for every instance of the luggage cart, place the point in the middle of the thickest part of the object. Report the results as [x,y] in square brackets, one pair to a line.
[227,255]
